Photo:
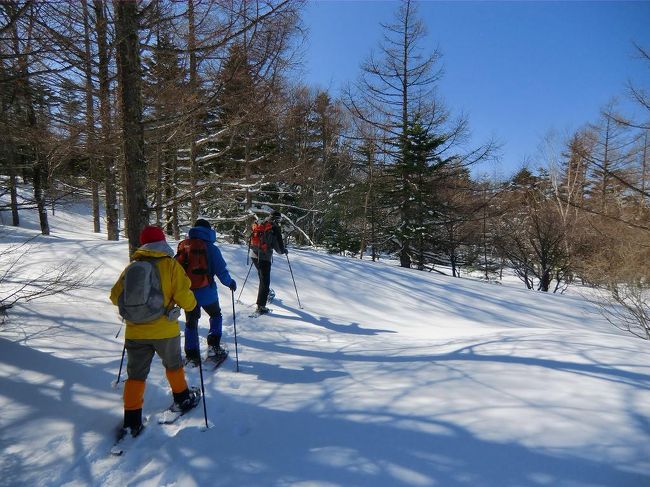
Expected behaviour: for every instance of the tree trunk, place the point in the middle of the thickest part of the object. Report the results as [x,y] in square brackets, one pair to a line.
[13,191]
[373,238]
[175,220]
[94,189]
[124,197]
[159,186]
[405,258]
[39,187]
[644,172]
[545,281]
[135,169]
[604,184]
[40,172]
[90,122]
[194,169]
[366,206]
[169,186]
[485,252]
[452,251]
[10,144]
[108,156]
[365,222]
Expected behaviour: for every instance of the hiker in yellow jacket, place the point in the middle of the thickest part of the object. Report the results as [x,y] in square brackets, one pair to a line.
[160,335]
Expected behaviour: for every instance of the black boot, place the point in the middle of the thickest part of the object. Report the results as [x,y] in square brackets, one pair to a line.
[215,350]
[186,400]
[214,341]
[192,358]
[133,421]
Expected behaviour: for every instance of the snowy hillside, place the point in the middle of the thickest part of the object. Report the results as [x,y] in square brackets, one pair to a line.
[386,377]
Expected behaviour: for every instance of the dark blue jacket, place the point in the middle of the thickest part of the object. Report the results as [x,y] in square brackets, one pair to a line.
[217,266]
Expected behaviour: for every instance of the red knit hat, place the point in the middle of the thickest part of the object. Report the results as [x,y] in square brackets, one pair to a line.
[151,233]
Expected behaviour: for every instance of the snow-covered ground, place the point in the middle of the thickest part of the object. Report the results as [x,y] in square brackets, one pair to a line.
[385,377]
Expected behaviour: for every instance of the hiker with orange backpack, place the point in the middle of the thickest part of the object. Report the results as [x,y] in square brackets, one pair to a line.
[266,236]
[202,260]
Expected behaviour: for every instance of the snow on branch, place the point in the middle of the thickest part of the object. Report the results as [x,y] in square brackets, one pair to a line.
[212,155]
[216,137]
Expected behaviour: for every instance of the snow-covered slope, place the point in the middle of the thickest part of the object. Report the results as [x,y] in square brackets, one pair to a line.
[386,377]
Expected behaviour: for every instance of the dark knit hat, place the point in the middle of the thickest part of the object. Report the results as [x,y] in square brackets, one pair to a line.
[276,215]
[202,223]
[151,233]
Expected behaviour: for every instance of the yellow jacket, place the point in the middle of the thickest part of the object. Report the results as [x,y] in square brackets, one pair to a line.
[176,290]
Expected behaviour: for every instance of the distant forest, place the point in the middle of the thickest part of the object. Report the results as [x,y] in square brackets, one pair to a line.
[165,111]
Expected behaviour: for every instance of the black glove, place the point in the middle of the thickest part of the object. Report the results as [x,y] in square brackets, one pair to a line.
[286,251]
[233,285]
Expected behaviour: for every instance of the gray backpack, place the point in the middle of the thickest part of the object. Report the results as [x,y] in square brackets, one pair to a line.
[142,299]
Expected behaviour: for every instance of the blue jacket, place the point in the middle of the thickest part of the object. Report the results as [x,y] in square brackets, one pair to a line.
[217,266]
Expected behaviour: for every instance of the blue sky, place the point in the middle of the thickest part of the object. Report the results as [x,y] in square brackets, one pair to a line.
[517,69]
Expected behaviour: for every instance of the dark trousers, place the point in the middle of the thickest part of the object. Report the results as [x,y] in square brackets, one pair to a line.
[264,272]
[192,326]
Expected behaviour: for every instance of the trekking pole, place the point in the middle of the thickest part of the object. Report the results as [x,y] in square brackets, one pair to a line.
[205,411]
[120,328]
[294,281]
[234,324]
[245,280]
[248,252]
[119,372]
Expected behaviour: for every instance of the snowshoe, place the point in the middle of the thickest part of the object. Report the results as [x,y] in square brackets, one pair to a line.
[217,355]
[216,352]
[133,431]
[190,402]
[192,359]
[124,438]
[181,406]
[261,310]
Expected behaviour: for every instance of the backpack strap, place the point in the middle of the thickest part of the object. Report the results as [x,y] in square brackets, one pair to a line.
[208,259]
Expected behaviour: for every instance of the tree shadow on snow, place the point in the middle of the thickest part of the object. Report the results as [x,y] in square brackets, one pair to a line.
[276,373]
[50,398]
[465,353]
[394,288]
[352,328]
[365,448]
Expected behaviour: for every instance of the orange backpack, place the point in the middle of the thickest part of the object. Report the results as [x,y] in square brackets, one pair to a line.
[262,236]
[192,254]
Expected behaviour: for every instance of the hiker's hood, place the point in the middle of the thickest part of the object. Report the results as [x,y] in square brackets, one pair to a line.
[204,233]
[154,249]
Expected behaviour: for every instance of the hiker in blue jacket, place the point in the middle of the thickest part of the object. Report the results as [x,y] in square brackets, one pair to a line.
[192,254]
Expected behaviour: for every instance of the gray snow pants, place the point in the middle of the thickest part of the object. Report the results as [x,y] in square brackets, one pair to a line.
[140,354]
